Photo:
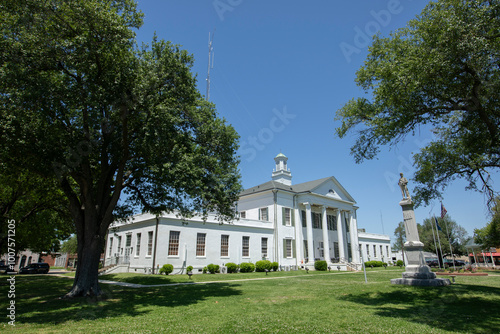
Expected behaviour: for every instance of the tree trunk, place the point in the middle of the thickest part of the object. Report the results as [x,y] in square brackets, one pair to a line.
[86,278]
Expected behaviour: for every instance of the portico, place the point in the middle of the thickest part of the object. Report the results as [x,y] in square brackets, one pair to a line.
[333,231]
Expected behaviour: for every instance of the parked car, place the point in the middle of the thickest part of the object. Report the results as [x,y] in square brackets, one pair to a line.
[35,268]
[458,263]
[433,263]
[4,268]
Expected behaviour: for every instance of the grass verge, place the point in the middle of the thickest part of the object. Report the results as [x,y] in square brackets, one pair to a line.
[306,303]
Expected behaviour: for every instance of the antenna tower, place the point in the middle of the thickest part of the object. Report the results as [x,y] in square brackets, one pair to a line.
[210,60]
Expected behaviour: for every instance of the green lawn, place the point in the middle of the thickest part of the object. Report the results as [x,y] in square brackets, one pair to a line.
[307,303]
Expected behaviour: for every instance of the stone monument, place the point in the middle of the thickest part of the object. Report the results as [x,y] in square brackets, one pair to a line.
[417,271]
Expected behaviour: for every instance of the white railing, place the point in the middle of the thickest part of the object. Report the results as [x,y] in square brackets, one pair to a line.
[116,260]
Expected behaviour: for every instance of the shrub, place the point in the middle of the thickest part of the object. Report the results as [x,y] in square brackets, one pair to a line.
[213,268]
[262,265]
[320,265]
[166,269]
[400,263]
[247,267]
[189,268]
[232,267]
[204,270]
[374,264]
[274,266]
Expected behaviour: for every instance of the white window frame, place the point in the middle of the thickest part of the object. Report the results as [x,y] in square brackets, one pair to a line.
[224,245]
[288,217]
[138,244]
[245,246]
[201,241]
[110,246]
[264,213]
[150,243]
[263,247]
[289,248]
[173,243]
[317,223]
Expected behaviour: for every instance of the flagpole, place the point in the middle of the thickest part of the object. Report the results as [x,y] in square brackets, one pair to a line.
[439,241]
[443,214]
[434,237]
[449,241]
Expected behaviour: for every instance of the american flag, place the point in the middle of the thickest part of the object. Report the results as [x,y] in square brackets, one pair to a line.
[443,211]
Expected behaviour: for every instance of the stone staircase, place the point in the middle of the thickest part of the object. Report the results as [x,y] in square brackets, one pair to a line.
[105,268]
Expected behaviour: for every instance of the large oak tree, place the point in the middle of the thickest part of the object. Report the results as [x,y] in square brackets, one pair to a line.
[37,208]
[443,71]
[82,103]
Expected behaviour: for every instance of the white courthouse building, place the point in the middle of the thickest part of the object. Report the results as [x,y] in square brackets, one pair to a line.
[293,225]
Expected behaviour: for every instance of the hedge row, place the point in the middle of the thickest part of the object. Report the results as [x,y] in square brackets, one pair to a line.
[375,264]
[244,267]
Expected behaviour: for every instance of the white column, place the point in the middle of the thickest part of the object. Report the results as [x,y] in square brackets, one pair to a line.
[340,233]
[299,238]
[326,243]
[310,247]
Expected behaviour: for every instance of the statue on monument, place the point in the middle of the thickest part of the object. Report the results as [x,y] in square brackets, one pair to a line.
[417,272]
[403,184]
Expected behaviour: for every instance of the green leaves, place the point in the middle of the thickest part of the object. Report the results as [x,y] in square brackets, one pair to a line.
[442,70]
[81,104]
[489,236]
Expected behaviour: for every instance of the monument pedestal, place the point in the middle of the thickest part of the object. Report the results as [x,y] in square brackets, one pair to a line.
[417,271]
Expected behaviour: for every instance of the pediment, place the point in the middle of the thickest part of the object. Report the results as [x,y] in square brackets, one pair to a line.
[333,189]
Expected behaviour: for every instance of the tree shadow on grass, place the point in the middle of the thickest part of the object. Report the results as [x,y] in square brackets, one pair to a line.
[139,279]
[38,299]
[460,307]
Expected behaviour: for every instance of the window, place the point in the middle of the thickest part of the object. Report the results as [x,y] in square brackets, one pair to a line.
[346,224]
[246,246]
[331,222]
[304,219]
[336,249]
[316,220]
[243,214]
[173,243]
[288,248]
[138,245]
[321,249]
[387,250]
[263,214]
[374,250]
[200,244]
[287,216]
[150,243]
[128,240]
[381,251]
[306,250]
[367,250]
[224,245]
[349,251]
[110,246]
[264,247]
[119,249]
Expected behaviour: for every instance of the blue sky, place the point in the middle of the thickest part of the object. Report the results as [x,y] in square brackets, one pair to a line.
[281,70]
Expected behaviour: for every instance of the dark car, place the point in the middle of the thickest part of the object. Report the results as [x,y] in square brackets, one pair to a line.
[458,263]
[4,268]
[35,268]
[433,263]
